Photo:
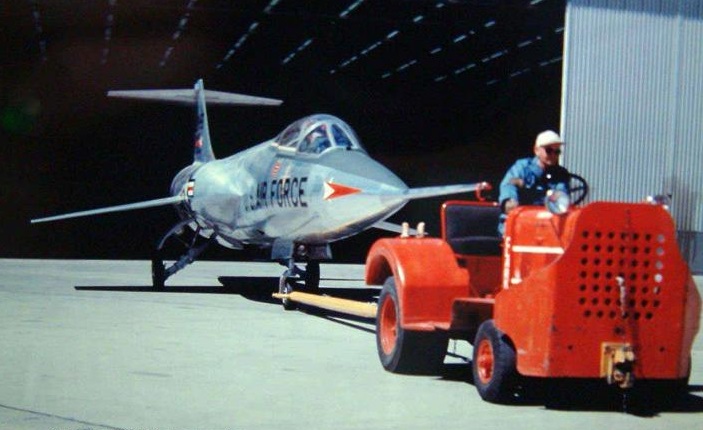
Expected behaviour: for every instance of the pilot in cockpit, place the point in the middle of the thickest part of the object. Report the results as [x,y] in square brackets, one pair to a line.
[316,141]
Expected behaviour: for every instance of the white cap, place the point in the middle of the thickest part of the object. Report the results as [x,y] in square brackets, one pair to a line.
[548,137]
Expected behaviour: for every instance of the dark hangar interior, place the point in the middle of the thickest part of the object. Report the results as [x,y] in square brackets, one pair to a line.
[441,92]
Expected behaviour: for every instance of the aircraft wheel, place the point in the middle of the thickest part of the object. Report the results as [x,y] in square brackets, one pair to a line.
[494,371]
[158,272]
[312,277]
[404,351]
[284,287]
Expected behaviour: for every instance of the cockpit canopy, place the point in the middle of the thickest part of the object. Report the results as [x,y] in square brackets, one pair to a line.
[315,134]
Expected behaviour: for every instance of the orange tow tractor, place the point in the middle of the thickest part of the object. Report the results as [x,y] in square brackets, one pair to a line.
[592,292]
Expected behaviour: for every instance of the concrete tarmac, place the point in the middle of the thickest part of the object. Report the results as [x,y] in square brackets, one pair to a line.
[87,345]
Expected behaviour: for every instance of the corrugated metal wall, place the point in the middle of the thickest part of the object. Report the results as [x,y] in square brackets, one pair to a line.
[632,104]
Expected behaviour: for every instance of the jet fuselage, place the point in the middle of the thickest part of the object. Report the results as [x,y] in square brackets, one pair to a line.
[311,185]
[290,191]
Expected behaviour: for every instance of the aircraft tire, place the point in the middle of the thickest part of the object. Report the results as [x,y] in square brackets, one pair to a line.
[404,351]
[284,287]
[312,277]
[493,365]
[158,273]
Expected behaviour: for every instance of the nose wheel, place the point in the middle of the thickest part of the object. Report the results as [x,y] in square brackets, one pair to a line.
[295,278]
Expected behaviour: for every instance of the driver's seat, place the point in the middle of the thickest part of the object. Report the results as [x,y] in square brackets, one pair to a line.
[470,228]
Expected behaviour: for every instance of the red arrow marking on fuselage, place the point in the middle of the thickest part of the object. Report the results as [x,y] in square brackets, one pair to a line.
[333,191]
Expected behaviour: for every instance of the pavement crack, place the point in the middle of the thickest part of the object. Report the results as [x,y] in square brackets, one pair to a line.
[59,417]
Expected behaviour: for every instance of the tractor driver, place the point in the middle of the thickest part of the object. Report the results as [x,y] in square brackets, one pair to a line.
[528,180]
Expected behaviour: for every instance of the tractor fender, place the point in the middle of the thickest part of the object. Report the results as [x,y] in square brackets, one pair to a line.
[427,277]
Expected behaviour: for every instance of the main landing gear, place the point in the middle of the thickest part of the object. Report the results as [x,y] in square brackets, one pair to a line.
[294,277]
[159,271]
[305,279]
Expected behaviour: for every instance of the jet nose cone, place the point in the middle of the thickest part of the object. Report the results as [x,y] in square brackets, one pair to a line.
[365,169]
[362,177]
[358,192]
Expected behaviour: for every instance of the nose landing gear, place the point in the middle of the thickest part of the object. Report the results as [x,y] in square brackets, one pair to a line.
[294,277]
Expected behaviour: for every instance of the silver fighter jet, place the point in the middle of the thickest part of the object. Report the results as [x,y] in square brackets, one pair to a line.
[311,185]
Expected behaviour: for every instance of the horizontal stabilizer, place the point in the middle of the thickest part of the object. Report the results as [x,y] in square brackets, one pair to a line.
[128,207]
[187,96]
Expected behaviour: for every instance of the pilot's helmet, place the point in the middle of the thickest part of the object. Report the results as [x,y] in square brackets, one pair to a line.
[316,134]
[320,131]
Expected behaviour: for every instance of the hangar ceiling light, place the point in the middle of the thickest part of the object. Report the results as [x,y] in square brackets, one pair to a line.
[297,50]
[109,23]
[182,25]
[238,45]
[269,7]
[351,8]
[39,30]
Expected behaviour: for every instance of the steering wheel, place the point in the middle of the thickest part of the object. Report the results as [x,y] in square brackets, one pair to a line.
[578,188]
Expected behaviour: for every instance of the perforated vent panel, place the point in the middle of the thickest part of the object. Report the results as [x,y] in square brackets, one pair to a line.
[621,274]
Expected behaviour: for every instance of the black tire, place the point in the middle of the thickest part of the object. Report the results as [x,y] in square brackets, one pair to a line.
[493,366]
[312,277]
[404,351]
[158,273]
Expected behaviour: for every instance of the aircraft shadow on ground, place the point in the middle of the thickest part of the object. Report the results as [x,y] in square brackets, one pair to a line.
[254,288]
[260,289]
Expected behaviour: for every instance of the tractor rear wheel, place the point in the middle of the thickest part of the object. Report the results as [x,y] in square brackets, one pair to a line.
[494,371]
[405,351]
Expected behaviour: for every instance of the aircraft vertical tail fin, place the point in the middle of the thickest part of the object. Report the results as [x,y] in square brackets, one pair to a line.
[202,151]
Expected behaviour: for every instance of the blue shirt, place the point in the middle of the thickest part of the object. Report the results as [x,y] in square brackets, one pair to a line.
[535,184]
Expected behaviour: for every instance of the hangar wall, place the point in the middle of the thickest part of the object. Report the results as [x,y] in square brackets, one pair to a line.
[632,104]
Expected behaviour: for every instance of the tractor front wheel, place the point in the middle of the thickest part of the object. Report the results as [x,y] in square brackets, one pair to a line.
[405,351]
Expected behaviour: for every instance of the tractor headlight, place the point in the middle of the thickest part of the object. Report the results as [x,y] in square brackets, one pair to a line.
[659,199]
